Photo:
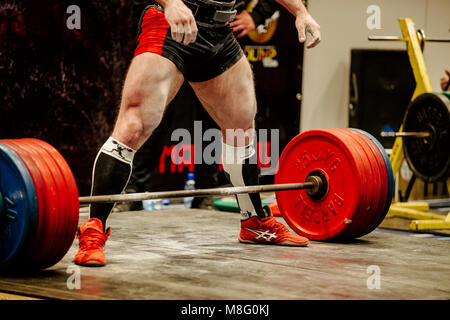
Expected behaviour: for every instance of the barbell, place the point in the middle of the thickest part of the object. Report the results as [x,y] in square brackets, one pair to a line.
[426,134]
[330,184]
[420,36]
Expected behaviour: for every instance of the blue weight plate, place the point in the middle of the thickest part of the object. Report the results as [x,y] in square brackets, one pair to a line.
[390,173]
[19,214]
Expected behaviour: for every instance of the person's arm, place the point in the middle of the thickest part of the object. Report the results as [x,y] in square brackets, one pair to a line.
[263,10]
[304,22]
[181,20]
[248,21]
[242,23]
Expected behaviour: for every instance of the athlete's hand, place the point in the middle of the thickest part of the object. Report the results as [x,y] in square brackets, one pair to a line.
[181,20]
[306,24]
[243,21]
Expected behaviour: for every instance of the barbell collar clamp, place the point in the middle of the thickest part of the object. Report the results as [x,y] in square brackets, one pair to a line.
[320,185]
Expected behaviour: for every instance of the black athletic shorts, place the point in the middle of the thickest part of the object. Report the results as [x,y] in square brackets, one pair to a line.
[214,51]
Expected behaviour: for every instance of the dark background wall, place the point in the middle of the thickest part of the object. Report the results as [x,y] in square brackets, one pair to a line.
[63,86]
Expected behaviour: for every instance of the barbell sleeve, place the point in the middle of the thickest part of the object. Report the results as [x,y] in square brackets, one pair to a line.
[228,191]
[395,38]
[423,134]
[385,38]
[436,40]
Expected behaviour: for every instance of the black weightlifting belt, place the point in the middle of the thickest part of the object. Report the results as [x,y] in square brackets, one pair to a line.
[211,13]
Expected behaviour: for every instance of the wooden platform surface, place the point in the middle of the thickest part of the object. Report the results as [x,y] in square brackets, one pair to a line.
[194,254]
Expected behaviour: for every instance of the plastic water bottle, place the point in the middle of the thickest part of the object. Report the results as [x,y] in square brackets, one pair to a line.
[150,205]
[165,203]
[189,185]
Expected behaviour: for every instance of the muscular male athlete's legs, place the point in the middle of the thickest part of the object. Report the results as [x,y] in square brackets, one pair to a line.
[231,102]
[151,82]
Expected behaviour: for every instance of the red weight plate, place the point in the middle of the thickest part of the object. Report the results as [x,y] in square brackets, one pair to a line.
[366,178]
[44,239]
[274,210]
[69,178]
[72,213]
[384,184]
[324,151]
[59,215]
[373,178]
[375,158]
[52,182]
[366,189]
[67,233]
[31,249]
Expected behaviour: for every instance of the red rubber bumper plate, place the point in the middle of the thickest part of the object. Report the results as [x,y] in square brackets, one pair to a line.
[333,214]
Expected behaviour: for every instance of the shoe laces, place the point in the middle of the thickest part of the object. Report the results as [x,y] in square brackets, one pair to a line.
[274,225]
[92,239]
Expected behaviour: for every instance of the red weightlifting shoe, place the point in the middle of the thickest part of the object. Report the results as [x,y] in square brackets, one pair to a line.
[91,239]
[269,231]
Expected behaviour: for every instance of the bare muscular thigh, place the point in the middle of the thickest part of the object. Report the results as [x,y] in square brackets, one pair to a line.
[151,83]
[230,98]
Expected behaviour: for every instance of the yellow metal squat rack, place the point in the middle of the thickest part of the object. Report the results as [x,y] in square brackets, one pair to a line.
[416,216]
